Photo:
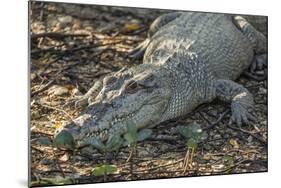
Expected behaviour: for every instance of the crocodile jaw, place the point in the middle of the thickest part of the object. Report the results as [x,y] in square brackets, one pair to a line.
[115,107]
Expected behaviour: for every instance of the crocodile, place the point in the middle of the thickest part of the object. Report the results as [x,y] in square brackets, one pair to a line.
[189,58]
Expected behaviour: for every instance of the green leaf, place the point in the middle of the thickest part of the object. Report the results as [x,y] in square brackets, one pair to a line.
[192,143]
[228,161]
[96,143]
[132,128]
[193,131]
[110,169]
[195,127]
[185,131]
[99,171]
[113,143]
[64,139]
[144,134]
[44,141]
[104,169]
[130,139]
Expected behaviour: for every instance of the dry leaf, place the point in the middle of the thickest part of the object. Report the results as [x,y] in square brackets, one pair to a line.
[131,27]
[58,125]
[234,143]
[64,158]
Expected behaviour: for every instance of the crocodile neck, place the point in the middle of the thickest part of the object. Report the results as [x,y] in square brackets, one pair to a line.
[190,81]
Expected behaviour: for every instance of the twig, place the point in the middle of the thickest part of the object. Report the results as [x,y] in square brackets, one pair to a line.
[138,173]
[37,149]
[57,109]
[192,155]
[130,155]
[160,166]
[41,132]
[50,49]
[186,161]
[249,133]
[216,122]
[54,171]
[56,35]
[233,166]
[42,88]
[58,165]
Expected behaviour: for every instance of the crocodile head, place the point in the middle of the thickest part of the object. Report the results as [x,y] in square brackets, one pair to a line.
[138,94]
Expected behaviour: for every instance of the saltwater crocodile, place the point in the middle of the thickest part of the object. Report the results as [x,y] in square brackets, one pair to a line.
[188,59]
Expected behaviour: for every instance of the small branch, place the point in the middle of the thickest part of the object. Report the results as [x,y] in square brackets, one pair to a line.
[130,155]
[42,132]
[43,88]
[56,35]
[57,109]
[160,166]
[58,165]
[233,166]
[54,171]
[249,133]
[37,149]
[186,161]
[211,125]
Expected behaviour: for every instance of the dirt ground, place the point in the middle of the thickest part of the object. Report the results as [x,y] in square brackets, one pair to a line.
[73,46]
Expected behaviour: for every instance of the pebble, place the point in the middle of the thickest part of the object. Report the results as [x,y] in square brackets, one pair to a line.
[164,147]
[143,153]
[45,162]
[78,158]
[226,136]
[262,91]
[57,27]
[65,157]
[263,122]
[88,13]
[35,115]
[250,139]
[57,90]
[65,19]
[217,136]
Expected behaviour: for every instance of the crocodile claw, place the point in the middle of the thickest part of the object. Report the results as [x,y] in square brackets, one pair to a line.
[241,115]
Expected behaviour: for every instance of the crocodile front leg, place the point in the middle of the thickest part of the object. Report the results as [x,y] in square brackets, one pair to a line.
[241,100]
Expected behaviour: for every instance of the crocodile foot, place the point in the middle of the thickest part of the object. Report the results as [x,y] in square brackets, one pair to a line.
[241,115]
[259,63]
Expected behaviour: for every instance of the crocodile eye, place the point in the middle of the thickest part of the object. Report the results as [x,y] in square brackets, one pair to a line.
[132,87]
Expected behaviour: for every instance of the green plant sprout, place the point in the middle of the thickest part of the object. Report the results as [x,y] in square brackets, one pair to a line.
[132,137]
[193,134]
[104,170]
[112,144]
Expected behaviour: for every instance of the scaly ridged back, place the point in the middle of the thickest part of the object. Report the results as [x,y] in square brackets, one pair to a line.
[213,37]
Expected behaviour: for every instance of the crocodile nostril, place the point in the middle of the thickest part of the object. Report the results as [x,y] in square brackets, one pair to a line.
[115,105]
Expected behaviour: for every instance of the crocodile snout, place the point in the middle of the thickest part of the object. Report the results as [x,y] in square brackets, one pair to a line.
[64,139]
